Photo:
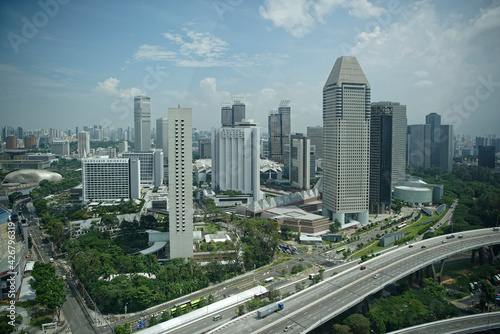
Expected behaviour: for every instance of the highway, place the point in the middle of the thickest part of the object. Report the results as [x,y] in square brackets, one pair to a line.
[310,308]
[468,324]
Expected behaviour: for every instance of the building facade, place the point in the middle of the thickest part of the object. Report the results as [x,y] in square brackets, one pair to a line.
[162,133]
[236,159]
[300,161]
[419,146]
[279,123]
[387,152]
[151,166]
[346,143]
[232,114]
[142,123]
[205,148]
[486,156]
[83,144]
[315,133]
[110,179]
[60,147]
[180,183]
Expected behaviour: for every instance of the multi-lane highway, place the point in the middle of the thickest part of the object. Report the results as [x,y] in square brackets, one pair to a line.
[312,307]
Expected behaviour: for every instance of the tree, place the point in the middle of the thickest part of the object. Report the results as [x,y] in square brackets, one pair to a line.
[165,316]
[341,329]
[358,323]
[335,226]
[285,231]
[211,299]
[300,286]
[153,321]
[240,310]
[48,287]
[487,294]
[122,329]
[274,295]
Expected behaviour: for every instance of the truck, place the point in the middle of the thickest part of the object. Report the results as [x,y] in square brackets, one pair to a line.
[269,309]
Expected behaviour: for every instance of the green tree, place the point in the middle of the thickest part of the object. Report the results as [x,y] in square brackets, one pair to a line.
[274,295]
[48,287]
[341,329]
[487,294]
[240,310]
[211,299]
[153,321]
[165,316]
[335,226]
[358,323]
[285,231]
[122,329]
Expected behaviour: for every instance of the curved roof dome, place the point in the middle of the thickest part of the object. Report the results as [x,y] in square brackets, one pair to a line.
[32,176]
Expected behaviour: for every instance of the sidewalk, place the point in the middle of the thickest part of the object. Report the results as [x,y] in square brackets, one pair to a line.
[24,326]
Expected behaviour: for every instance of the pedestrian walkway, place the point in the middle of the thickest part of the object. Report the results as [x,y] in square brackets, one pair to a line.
[24,327]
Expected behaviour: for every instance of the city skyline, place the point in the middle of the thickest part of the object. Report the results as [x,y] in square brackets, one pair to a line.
[66,64]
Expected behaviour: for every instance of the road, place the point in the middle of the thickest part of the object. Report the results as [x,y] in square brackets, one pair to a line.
[311,307]
[72,310]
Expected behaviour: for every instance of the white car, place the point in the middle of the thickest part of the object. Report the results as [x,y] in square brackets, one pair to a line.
[376,276]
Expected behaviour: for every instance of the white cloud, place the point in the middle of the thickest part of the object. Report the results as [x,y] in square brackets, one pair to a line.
[298,17]
[110,87]
[153,53]
[200,44]
[424,83]
[421,74]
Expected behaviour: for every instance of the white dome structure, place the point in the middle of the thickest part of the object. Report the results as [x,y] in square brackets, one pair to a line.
[24,176]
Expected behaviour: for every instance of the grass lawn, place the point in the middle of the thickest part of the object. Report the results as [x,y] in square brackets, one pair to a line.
[40,317]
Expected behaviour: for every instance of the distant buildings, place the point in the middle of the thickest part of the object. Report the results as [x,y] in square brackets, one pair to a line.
[110,179]
[60,147]
[300,161]
[205,148]
[180,183]
[315,133]
[30,141]
[11,142]
[232,114]
[279,123]
[142,123]
[236,158]
[486,157]
[346,124]
[419,146]
[387,153]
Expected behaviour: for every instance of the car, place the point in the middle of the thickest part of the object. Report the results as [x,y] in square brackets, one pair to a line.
[410,246]
[423,246]
[444,241]
[496,229]
[362,268]
[460,236]
[287,328]
[51,260]
[376,276]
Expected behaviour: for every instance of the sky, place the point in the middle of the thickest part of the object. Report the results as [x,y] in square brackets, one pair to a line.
[68,63]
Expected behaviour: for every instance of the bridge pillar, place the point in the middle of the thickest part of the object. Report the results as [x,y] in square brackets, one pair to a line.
[481,256]
[366,307]
[491,256]
[441,267]
[473,256]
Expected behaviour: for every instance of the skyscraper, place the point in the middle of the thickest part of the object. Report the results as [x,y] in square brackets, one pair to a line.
[346,142]
[300,161]
[236,158]
[162,134]
[279,123]
[142,123]
[387,152]
[441,146]
[83,144]
[151,166]
[419,145]
[315,133]
[232,114]
[180,182]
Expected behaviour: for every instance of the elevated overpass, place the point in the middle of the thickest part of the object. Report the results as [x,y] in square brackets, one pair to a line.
[316,305]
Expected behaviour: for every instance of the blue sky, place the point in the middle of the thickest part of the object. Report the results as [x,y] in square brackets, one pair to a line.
[68,63]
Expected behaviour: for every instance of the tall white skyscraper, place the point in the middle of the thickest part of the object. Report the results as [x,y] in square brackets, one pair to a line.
[300,161]
[142,123]
[180,182]
[83,144]
[236,158]
[346,142]
[151,166]
[162,133]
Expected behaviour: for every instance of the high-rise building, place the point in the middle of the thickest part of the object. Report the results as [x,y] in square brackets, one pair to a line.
[434,120]
[20,132]
[110,179]
[162,133]
[315,133]
[300,161]
[419,146]
[346,143]
[232,114]
[446,148]
[180,182]
[11,142]
[236,158]
[205,148]
[83,144]
[30,141]
[123,146]
[60,147]
[486,156]
[151,166]
[387,153]
[279,123]
[142,123]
